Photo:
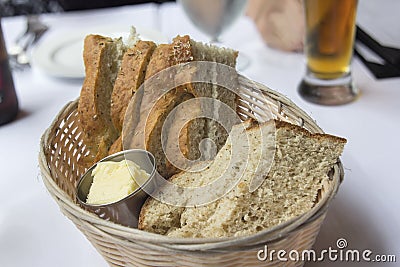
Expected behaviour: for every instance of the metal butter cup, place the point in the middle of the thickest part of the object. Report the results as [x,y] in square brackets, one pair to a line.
[125,211]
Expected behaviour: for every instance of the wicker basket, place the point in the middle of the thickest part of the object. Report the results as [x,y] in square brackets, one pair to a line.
[62,146]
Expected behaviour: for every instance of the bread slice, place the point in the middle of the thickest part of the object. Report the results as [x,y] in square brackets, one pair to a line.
[181,51]
[160,60]
[290,181]
[189,140]
[182,145]
[117,146]
[130,77]
[154,125]
[102,57]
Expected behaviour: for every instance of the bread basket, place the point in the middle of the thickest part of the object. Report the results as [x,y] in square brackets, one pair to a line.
[62,145]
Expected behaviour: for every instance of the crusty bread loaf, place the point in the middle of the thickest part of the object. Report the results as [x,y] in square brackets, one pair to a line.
[130,77]
[182,50]
[160,59]
[184,137]
[143,129]
[155,122]
[112,78]
[196,130]
[291,179]
[102,57]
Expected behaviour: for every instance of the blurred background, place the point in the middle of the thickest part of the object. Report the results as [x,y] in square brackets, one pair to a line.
[33,231]
[24,7]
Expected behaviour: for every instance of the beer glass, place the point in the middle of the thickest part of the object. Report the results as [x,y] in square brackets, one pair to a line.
[330,30]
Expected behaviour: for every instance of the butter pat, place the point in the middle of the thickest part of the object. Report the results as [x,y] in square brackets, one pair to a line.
[112,181]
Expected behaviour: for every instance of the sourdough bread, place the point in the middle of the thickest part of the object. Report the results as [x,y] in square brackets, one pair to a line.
[290,179]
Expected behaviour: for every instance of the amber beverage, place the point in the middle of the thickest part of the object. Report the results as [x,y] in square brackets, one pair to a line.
[330,27]
[8,97]
[329,40]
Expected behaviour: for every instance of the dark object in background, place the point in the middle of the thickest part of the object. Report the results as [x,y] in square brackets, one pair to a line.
[390,65]
[69,5]
[8,97]
[25,7]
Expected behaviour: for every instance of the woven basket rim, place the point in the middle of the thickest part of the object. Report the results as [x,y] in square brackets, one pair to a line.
[125,234]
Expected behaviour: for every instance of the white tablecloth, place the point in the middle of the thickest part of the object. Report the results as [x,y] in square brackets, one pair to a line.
[33,232]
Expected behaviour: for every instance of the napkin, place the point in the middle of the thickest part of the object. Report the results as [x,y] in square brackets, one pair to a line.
[382,61]
[280,22]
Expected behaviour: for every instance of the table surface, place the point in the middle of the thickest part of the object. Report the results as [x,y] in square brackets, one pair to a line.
[33,232]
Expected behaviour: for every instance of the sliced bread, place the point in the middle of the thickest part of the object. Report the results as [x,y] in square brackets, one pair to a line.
[190,138]
[130,77]
[181,51]
[290,181]
[102,57]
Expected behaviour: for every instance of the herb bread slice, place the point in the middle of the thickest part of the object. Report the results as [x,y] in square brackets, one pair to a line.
[291,179]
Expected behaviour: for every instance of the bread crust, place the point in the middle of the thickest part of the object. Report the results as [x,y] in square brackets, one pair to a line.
[139,64]
[319,136]
[160,59]
[116,146]
[150,132]
[148,129]
[94,101]
[130,77]
[327,142]
[182,50]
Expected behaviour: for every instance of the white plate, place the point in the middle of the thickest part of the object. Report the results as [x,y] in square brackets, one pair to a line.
[60,54]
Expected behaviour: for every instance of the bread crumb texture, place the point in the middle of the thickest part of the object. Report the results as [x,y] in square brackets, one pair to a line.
[291,180]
